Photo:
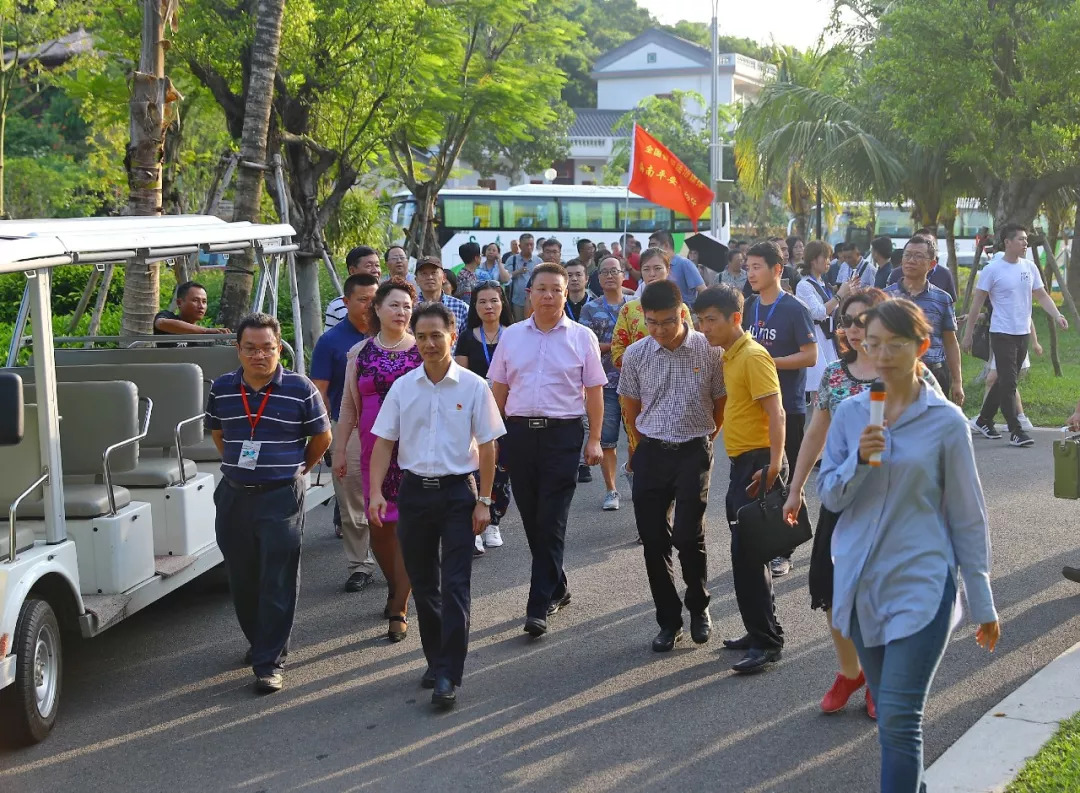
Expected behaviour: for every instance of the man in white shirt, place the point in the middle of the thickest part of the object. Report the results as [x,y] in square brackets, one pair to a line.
[397,265]
[445,422]
[360,259]
[1009,283]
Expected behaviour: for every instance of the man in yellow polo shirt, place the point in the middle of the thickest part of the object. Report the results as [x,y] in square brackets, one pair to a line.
[753,439]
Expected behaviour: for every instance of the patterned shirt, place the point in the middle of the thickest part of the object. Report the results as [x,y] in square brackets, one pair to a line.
[600,316]
[676,388]
[838,383]
[727,278]
[937,305]
[459,309]
[294,411]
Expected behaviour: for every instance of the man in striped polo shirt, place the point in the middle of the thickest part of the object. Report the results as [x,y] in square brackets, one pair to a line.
[270,427]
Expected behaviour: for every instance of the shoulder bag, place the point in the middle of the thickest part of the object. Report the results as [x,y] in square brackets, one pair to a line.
[763,532]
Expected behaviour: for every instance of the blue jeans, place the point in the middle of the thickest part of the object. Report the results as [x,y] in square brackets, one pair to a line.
[899,675]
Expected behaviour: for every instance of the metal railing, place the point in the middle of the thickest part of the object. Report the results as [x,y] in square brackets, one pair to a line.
[116,446]
[179,444]
[15,508]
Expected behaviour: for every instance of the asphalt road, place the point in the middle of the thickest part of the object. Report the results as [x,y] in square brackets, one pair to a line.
[162,703]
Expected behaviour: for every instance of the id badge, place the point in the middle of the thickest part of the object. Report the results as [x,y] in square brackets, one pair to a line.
[249,455]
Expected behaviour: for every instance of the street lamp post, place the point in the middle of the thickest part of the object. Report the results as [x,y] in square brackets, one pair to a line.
[719,223]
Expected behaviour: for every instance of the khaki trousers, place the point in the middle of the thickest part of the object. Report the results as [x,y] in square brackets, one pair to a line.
[356,537]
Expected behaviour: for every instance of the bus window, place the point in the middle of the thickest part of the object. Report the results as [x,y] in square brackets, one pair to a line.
[402,213]
[892,222]
[970,221]
[470,213]
[684,223]
[582,214]
[530,213]
[644,216]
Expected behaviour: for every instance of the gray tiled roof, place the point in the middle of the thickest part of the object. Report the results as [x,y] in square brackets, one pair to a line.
[688,49]
[593,123]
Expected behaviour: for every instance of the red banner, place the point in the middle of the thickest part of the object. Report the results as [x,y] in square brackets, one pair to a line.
[662,178]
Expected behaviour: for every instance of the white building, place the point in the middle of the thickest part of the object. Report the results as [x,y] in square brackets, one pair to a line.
[655,63]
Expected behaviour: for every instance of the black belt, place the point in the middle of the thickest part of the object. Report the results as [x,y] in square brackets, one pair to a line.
[257,487]
[936,367]
[435,482]
[671,445]
[541,422]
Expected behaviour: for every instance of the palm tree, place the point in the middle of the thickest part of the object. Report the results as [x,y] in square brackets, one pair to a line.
[236,291]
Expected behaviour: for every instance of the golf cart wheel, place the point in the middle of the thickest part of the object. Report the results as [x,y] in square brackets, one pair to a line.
[31,703]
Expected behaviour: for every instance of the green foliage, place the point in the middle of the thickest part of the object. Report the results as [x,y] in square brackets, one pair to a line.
[492,149]
[670,120]
[362,219]
[1056,768]
[68,284]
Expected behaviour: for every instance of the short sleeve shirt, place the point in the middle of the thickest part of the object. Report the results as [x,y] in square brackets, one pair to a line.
[1010,286]
[749,376]
[328,360]
[294,411]
[600,317]
[937,305]
[459,308]
[166,315]
[782,328]
[685,273]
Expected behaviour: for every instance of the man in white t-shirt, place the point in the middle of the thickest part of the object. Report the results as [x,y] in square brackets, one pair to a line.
[1009,282]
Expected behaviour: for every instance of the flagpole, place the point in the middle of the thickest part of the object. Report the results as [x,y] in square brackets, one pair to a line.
[629,177]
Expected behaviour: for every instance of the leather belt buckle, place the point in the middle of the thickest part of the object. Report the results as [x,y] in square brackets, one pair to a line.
[430,483]
[538,423]
[671,445]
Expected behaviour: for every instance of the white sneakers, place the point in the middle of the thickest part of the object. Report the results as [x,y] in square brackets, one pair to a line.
[479,546]
[611,501]
[491,537]
[1025,422]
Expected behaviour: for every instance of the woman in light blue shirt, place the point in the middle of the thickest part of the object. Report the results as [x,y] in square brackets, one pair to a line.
[910,526]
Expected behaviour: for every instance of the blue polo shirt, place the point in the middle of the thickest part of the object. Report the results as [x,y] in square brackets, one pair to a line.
[782,328]
[937,305]
[685,273]
[328,360]
[294,412]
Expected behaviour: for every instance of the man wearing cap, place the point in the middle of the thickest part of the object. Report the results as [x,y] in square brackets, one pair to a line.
[430,278]
[270,428]
[445,422]
[541,371]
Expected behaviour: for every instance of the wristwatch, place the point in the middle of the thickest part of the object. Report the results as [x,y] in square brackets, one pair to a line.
[486,501]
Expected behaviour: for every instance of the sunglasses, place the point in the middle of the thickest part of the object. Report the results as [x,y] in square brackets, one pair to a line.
[847,321]
[487,285]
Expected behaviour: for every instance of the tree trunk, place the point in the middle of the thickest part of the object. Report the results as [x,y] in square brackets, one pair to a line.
[423,239]
[236,293]
[1055,357]
[151,96]
[1074,259]
[970,288]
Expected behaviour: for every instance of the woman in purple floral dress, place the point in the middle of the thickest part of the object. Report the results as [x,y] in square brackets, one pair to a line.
[373,366]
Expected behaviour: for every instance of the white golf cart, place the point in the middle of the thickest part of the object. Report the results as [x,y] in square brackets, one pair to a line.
[104,467]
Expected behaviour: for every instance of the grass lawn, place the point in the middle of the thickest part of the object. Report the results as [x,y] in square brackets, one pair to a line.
[1056,768]
[1048,400]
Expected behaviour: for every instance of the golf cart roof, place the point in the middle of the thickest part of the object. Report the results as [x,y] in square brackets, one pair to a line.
[30,244]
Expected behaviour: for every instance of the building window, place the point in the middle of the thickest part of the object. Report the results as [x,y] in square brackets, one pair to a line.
[650,57]
[486,184]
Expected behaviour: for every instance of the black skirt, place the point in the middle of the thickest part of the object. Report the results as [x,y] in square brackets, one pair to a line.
[821,564]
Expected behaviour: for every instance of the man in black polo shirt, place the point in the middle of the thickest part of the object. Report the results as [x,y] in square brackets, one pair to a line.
[190,310]
[270,427]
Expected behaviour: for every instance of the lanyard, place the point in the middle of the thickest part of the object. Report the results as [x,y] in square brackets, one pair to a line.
[768,317]
[608,307]
[570,309]
[253,421]
[483,338]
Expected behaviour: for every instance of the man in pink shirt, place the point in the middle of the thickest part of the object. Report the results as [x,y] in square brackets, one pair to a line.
[541,370]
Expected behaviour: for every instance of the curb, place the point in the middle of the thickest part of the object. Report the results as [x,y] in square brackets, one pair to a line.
[989,756]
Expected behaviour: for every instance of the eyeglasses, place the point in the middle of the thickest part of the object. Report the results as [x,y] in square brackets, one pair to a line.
[891,347]
[610,272]
[847,321]
[667,323]
[915,257]
[488,285]
[258,352]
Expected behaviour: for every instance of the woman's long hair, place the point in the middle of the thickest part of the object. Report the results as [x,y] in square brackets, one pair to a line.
[505,317]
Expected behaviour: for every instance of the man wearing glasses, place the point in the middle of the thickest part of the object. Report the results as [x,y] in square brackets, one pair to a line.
[672,382]
[271,428]
[943,357]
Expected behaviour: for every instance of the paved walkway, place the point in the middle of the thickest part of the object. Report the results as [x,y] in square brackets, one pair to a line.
[160,703]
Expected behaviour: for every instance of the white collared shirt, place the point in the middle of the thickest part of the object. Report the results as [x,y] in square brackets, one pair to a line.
[439,426]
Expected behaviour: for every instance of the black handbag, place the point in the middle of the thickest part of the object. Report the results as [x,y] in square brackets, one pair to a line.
[980,341]
[763,532]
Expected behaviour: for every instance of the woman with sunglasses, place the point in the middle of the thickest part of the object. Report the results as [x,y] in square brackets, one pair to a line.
[655,265]
[852,374]
[489,313]
[912,519]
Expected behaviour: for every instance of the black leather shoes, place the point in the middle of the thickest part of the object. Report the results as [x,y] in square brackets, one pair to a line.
[269,684]
[559,603]
[742,643]
[444,695]
[700,627]
[535,627]
[427,680]
[756,660]
[666,640]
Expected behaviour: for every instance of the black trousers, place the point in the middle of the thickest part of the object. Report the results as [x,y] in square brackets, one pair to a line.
[260,535]
[943,377]
[1009,354]
[679,476]
[753,581]
[430,518]
[543,476]
[794,429]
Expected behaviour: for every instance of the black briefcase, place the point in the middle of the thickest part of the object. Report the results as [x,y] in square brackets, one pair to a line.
[763,532]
